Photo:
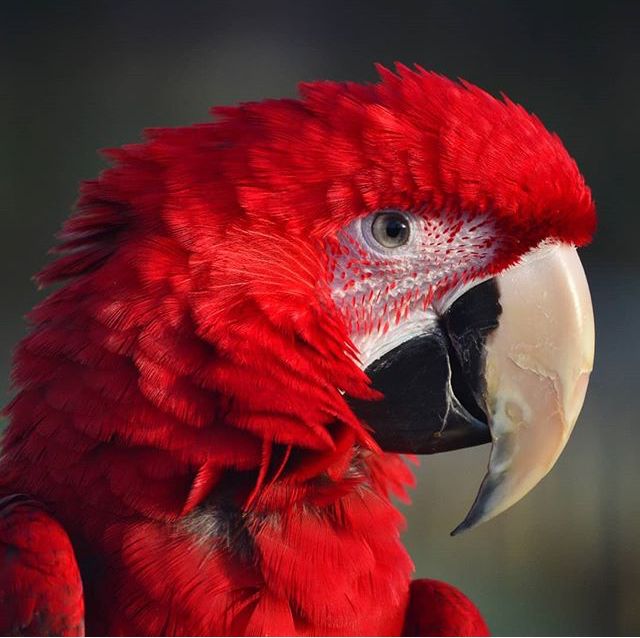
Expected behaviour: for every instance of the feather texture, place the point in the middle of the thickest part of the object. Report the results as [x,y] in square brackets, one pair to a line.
[181,399]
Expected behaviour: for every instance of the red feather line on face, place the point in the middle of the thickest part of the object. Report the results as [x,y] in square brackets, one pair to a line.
[196,326]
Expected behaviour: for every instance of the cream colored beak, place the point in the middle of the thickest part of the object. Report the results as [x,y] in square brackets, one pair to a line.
[537,370]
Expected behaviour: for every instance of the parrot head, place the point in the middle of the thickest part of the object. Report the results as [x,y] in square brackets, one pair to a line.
[387,267]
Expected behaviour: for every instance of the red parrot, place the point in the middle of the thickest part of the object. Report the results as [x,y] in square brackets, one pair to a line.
[256,320]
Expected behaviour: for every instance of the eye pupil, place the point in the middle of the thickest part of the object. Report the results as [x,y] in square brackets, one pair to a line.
[395,228]
[391,229]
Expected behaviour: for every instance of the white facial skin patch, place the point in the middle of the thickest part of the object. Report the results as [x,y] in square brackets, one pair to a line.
[388,295]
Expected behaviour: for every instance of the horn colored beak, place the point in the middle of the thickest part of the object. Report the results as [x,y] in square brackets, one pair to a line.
[536,373]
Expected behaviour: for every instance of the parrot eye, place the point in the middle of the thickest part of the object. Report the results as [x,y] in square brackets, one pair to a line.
[391,229]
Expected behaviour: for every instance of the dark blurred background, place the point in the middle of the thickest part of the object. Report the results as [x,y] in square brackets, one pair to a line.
[78,76]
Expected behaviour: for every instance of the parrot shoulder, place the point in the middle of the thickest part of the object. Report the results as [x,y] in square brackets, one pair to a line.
[40,584]
[439,609]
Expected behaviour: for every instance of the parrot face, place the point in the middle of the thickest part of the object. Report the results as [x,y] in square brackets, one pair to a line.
[462,357]
[473,322]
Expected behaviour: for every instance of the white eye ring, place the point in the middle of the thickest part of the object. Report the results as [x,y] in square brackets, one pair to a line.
[388,230]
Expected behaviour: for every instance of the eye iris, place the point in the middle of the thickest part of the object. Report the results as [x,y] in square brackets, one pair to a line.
[391,229]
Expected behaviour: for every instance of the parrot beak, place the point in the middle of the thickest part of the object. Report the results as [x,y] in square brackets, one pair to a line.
[507,361]
[537,370]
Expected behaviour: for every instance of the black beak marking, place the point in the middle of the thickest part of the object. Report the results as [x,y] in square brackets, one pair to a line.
[433,384]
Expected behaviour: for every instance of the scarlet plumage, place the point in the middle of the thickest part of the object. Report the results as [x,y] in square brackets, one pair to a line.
[180,406]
